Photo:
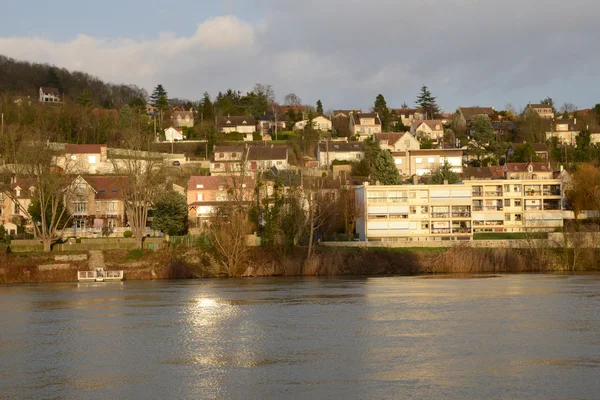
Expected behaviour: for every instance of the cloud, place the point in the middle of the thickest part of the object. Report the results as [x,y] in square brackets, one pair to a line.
[346,52]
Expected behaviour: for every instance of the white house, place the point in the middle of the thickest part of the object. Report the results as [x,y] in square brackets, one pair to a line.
[320,123]
[397,141]
[173,134]
[49,95]
[365,124]
[329,151]
[242,124]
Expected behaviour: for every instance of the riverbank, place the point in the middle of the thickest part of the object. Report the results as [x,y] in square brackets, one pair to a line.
[185,263]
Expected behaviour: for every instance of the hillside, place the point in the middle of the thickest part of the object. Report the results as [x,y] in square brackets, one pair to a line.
[24,78]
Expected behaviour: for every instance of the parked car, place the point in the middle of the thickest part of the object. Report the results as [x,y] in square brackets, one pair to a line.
[176,163]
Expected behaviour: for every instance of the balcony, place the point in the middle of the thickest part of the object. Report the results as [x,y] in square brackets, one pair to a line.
[496,193]
[441,231]
[533,193]
[477,193]
[461,214]
[552,192]
[493,208]
[462,231]
[477,208]
[533,208]
[440,215]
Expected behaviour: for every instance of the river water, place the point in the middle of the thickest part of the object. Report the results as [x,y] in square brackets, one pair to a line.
[502,337]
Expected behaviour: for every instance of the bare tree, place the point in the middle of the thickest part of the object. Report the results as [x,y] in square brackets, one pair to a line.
[277,114]
[48,186]
[143,179]
[351,209]
[319,204]
[292,99]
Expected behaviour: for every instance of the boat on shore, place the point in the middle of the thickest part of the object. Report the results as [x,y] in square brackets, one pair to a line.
[100,275]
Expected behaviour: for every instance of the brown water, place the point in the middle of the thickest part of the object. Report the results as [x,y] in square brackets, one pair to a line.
[504,337]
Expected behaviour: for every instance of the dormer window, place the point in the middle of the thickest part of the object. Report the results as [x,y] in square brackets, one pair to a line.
[530,168]
[199,186]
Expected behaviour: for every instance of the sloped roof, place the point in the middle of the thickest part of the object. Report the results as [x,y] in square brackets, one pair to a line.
[259,153]
[84,148]
[522,167]
[107,187]
[358,115]
[345,112]
[391,137]
[50,90]
[224,148]
[342,147]
[471,112]
[535,106]
[431,123]
[236,120]
[494,172]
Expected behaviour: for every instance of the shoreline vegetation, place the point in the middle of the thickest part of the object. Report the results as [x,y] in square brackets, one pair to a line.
[182,262]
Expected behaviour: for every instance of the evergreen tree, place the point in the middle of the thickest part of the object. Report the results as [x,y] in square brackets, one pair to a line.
[548,100]
[52,80]
[170,213]
[159,91]
[207,107]
[404,105]
[427,102]
[85,99]
[524,153]
[443,173]
[319,107]
[381,108]
[483,142]
[384,169]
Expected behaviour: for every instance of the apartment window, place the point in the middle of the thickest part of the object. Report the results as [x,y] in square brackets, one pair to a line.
[419,160]
[431,160]
[507,217]
[92,159]
[507,188]
[412,195]
[200,197]
[413,210]
[518,217]
[424,225]
[506,203]
[517,202]
[424,210]
[517,188]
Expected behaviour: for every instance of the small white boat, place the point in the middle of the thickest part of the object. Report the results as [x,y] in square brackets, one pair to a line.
[99,275]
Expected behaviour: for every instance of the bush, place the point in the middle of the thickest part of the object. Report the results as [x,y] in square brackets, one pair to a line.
[257,137]
[232,136]
[127,234]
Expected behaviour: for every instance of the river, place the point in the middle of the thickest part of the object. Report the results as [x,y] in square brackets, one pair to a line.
[501,337]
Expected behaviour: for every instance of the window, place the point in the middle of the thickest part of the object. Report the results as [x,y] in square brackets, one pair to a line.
[518,217]
[98,207]
[398,161]
[74,158]
[221,155]
[424,210]
[80,207]
[111,207]
[507,217]
[507,188]
[79,223]
[357,156]
[419,160]
[200,197]
[517,202]
[199,186]
[506,203]
[413,209]
[112,223]
[92,159]
[233,155]
[431,160]
[517,189]
[424,225]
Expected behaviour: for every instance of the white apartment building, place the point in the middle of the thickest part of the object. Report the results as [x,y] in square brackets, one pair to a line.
[455,212]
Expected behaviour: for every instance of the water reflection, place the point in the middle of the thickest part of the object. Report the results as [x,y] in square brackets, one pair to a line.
[509,336]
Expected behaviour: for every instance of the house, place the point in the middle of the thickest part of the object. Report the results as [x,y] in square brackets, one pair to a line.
[242,124]
[503,128]
[541,150]
[329,151]
[205,194]
[408,115]
[364,125]
[529,170]
[432,129]
[49,95]
[343,113]
[227,159]
[183,119]
[422,162]
[483,173]
[261,158]
[397,141]
[470,113]
[267,123]
[13,206]
[544,110]
[455,212]
[173,134]
[594,135]
[96,202]
[320,123]
[565,130]
[85,158]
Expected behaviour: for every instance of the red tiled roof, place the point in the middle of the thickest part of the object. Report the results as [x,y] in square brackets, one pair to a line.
[522,167]
[107,187]
[50,90]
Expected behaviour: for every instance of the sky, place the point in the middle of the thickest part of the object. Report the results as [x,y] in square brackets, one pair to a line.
[344,52]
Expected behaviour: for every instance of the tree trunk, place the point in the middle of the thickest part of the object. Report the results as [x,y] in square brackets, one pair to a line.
[139,241]
[47,245]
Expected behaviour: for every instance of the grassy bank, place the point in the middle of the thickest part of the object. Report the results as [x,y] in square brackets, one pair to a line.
[183,262]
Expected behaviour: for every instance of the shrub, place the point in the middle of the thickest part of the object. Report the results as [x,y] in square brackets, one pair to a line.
[127,234]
